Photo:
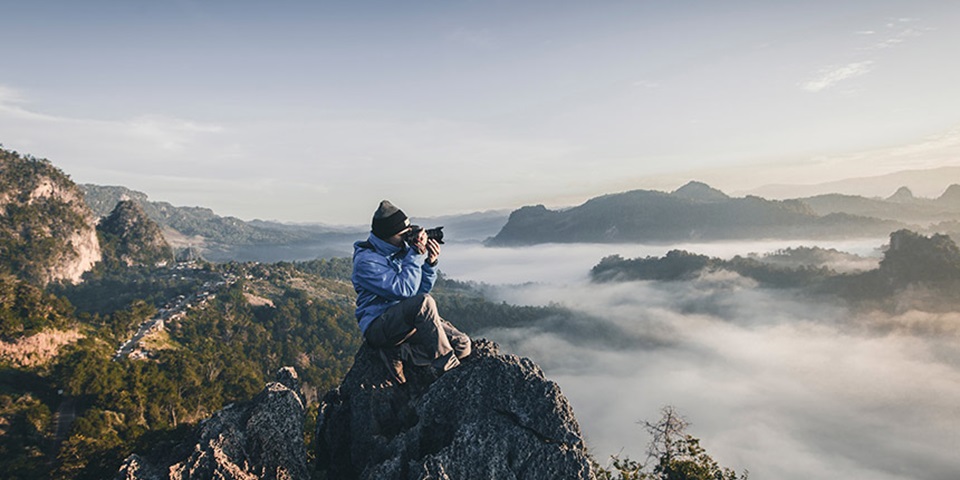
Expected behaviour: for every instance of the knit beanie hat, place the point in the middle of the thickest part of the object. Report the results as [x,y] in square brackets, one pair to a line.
[389,220]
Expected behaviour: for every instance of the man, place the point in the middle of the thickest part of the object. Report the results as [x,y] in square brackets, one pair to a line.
[393,277]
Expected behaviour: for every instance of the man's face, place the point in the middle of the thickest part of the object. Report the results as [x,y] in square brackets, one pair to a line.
[397,239]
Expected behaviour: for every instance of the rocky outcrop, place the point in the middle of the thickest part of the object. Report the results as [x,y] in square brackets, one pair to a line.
[259,439]
[495,416]
[46,229]
[37,349]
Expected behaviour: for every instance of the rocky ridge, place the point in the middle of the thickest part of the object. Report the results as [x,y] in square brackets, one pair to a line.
[495,416]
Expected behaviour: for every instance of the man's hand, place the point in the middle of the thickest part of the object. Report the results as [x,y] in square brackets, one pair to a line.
[429,246]
[433,251]
[420,244]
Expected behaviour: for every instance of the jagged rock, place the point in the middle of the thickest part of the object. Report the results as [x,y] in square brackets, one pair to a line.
[262,438]
[136,468]
[495,416]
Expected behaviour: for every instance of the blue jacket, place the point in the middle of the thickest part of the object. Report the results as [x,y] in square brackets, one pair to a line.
[384,274]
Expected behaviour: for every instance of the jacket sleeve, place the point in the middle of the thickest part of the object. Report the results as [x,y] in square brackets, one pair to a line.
[428,278]
[376,274]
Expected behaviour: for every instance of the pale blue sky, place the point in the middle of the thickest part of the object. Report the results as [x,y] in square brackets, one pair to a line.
[314,111]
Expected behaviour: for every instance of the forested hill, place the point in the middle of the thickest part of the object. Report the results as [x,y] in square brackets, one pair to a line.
[916,272]
[693,212]
[130,238]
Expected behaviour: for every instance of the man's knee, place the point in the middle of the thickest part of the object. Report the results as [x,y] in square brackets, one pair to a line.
[427,305]
[464,347]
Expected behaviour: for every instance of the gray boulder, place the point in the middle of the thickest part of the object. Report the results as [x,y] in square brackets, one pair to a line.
[494,417]
[262,438]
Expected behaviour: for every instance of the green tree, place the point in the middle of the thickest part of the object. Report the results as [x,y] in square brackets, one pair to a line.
[678,456]
[915,258]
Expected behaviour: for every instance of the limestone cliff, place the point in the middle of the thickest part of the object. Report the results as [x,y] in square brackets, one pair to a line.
[46,229]
[495,416]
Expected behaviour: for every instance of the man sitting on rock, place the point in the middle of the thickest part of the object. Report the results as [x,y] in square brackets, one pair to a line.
[393,276]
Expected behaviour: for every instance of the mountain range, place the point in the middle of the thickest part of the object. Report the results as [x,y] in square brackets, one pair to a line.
[902,206]
[695,211]
[220,238]
[926,182]
[698,212]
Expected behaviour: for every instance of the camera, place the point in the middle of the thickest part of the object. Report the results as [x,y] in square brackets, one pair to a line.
[433,233]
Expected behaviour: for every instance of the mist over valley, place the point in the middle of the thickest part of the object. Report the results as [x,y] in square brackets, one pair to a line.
[775,381]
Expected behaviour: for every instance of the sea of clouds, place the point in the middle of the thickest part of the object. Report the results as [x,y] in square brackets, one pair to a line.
[783,385]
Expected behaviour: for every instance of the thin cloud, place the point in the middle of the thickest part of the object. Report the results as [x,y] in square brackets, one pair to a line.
[831,77]
[898,38]
[168,133]
[10,96]
[163,132]
[896,33]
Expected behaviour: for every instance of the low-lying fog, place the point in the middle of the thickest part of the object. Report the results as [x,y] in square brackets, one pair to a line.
[787,388]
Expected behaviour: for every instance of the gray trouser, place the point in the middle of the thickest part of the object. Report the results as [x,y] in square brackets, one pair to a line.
[423,337]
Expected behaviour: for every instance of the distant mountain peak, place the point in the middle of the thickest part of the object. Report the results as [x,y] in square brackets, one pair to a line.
[700,192]
[903,194]
[952,194]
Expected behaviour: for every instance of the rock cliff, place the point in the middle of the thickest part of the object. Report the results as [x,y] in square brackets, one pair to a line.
[495,416]
[262,438]
[46,229]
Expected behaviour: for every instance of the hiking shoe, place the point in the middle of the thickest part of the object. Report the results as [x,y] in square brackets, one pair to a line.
[391,360]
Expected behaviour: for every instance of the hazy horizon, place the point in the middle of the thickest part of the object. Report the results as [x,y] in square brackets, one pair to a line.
[313,112]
